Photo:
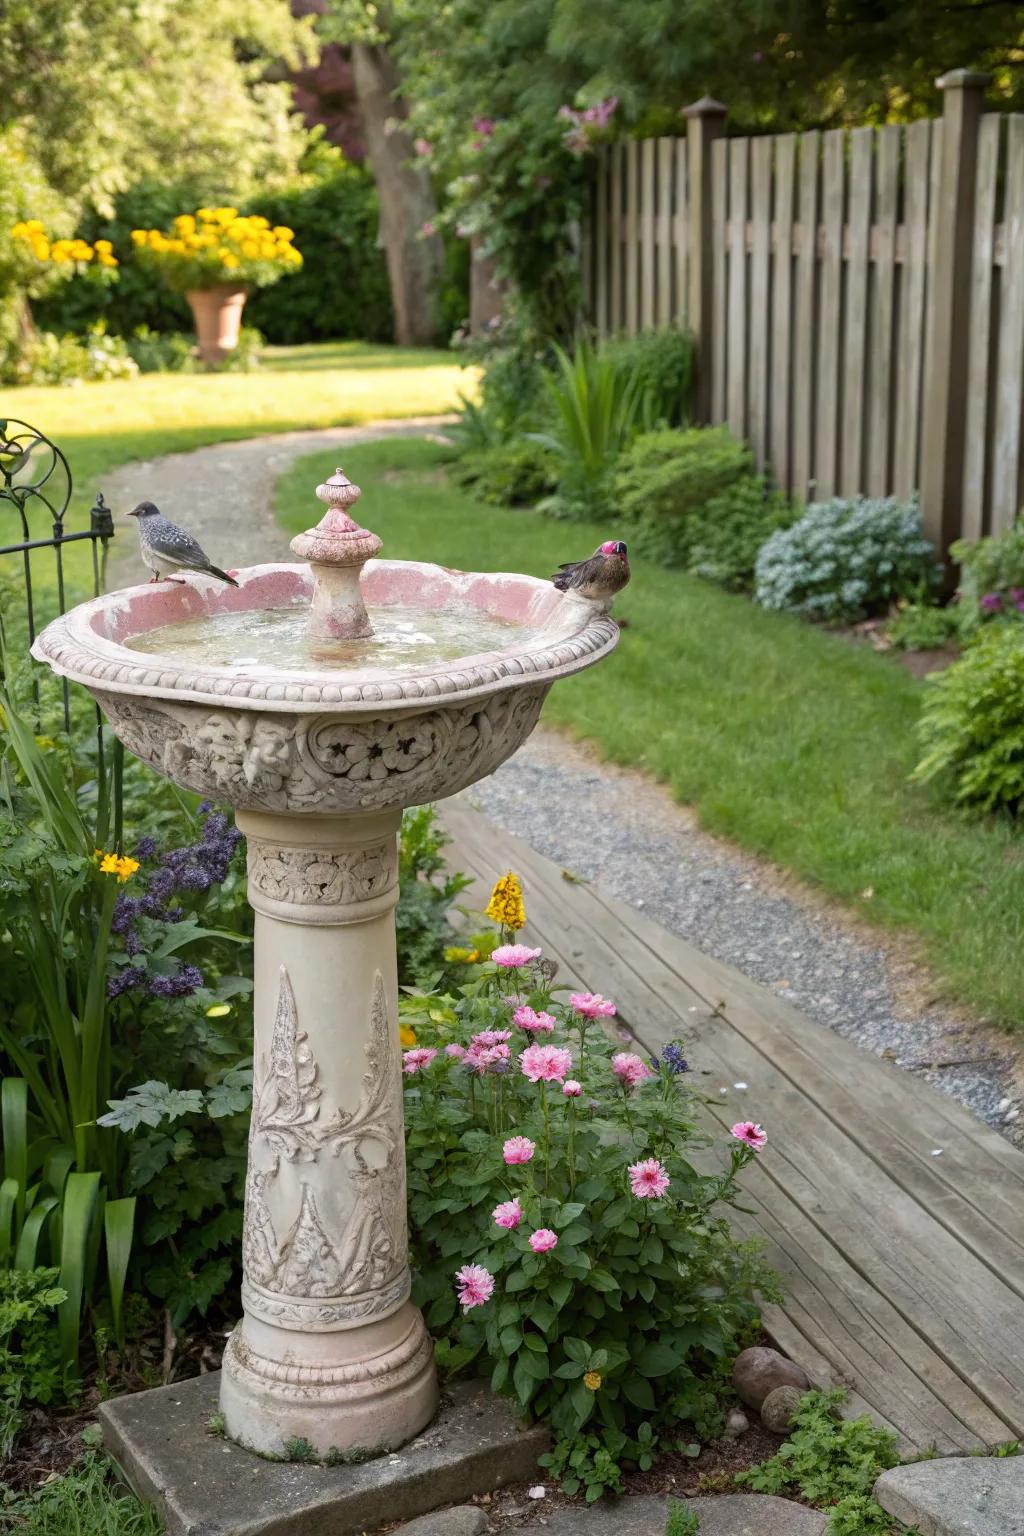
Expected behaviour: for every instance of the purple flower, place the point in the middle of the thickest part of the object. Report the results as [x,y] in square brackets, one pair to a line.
[187,981]
[672,1059]
[131,976]
[146,848]
[991,602]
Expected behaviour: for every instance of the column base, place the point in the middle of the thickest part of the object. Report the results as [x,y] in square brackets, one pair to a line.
[367,1390]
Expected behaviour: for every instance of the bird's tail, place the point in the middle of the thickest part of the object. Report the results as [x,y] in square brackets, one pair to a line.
[213,570]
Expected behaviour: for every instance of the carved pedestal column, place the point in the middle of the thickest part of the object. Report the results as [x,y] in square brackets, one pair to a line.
[330,1349]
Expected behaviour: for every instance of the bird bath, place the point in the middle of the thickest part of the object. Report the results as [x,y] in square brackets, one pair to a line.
[278,697]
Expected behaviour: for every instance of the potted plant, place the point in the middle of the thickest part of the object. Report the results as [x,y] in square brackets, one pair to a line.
[215,257]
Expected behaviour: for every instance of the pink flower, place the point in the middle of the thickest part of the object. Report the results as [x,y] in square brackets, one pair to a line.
[629,1069]
[592,1005]
[475,1284]
[648,1179]
[543,1240]
[508,1215]
[534,1023]
[571,1088]
[456,1052]
[485,126]
[491,1037]
[428,229]
[422,147]
[546,1063]
[749,1132]
[479,1057]
[419,1059]
[518,1149]
[514,956]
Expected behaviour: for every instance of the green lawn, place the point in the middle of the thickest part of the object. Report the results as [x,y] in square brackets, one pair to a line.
[790,741]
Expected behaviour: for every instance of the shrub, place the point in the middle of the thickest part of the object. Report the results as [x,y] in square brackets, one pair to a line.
[666,477]
[30,1366]
[425,900]
[515,473]
[156,352]
[991,578]
[597,410]
[846,559]
[662,363]
[727,533]
[972,723]
[49,359]
[616,1317]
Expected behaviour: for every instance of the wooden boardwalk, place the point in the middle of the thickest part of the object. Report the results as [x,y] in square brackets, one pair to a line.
[903,1271]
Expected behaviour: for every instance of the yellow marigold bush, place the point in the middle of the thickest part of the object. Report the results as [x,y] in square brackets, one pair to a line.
[30,235]
[218,245]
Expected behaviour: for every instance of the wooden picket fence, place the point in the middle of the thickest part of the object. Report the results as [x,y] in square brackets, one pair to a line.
[856,296]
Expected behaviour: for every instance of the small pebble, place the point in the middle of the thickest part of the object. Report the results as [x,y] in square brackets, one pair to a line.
[741,1086]
[936,1152]
[538,1491]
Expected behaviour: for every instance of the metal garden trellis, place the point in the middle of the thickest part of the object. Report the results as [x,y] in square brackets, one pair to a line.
[35,477]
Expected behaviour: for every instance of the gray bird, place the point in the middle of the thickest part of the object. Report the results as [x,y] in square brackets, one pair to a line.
[165,547]
[599,578]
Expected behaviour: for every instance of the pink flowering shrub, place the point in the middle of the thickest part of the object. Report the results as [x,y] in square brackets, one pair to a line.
[564,1242]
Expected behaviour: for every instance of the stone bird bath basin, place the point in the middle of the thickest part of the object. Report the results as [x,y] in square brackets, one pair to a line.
[280,698]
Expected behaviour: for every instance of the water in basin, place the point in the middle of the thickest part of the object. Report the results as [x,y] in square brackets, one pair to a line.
[278,639]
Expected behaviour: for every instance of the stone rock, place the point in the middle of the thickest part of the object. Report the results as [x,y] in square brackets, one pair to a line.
[465,1520]
[736,1424]
[957,1495]
[778,1409]
[731,1514]
[760,1370]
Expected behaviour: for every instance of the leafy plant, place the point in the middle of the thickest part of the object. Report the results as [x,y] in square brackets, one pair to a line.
[88,1500]
[666,478]
[832,1462]
[30,1363]
[991,578]
[681,1521]
[616,1317]
[846,559]
[427,890]
[218,245]
[923,626]
[44,358]
[598,409]
[515,473]
[972,723]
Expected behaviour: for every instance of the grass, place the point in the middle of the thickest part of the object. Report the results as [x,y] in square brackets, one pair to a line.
[786,739]
[100,426]
[87,1500]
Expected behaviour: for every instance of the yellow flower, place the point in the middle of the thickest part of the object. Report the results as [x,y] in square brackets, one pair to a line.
[109,863]
[230,261]
[506,904]
[126,868]
[46,744]
[225,216]
[41,249]
[20,230]
[406,1036]
[185,224]
[106,260]
[114,864]
[268,250]
[57,256]
[206,214]
[102,245]
[455,954]
[257,221]
[592,1380]
[250,249]
[218,1010]
[283,232]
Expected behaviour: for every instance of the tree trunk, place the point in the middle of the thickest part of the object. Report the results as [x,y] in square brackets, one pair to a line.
[415,261]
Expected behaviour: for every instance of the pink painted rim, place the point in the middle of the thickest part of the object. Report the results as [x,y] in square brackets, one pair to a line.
[84,644]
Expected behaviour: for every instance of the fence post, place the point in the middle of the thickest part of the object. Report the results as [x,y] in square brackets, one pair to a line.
[944,407]
[705,122]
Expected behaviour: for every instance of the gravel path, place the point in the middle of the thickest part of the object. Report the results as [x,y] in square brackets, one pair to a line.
[627,835]
[223,494]
[618,828]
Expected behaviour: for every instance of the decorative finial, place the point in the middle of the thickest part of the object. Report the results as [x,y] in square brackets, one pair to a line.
[337,549]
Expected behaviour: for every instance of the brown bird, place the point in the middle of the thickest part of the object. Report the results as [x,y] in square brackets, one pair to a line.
[599,578]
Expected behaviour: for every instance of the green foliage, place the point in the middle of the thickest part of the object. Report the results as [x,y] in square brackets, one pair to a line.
[923,626]
[157,353]
[597,410]
[972,723]
[342,289]
[620,1334]
[88,1500]
[666,477]
[30,1363]
[584,1462]
[991,578]
[832,1462]
[427,889]
[681,1521]
[727,532]
[48,359]
[846,559]
[510,474]
[662,363]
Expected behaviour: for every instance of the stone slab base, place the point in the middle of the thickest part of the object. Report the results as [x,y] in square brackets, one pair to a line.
[203,1485]
[957,1495]
[728,1514]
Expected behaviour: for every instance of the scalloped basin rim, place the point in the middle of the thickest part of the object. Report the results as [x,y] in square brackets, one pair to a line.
[85,643]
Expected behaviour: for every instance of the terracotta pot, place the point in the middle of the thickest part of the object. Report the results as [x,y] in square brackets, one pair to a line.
[217,313]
